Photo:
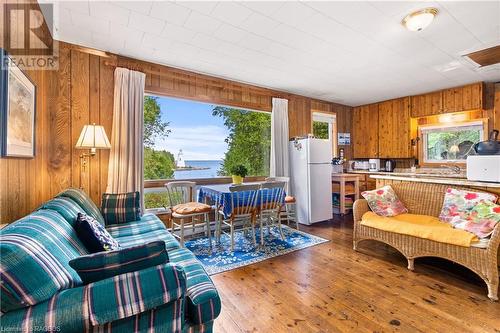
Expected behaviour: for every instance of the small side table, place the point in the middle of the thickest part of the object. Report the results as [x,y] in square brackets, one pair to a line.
[163,214]
[342,179]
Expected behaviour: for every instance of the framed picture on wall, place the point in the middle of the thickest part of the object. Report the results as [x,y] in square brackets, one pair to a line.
[17,110]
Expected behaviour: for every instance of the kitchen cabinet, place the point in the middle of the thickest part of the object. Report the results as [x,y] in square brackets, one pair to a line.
[366,183]
[365,131]
[394,135]
[426,104]
[465,98]
[458,99]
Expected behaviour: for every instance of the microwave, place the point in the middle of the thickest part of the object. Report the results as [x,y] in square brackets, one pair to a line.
[485,168]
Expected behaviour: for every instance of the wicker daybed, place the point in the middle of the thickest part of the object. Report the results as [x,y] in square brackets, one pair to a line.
[427,199]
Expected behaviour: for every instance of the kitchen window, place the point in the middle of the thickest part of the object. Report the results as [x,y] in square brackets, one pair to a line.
[324,127]
[450,143]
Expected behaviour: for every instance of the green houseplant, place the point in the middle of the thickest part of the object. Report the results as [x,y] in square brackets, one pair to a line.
[238,172]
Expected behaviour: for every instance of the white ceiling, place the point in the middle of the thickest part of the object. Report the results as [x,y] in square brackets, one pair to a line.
[350,52]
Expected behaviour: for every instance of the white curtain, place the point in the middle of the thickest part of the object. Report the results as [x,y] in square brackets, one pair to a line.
[279,139]
[126,163]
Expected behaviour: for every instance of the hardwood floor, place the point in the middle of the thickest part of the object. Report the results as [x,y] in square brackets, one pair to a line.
[331,288]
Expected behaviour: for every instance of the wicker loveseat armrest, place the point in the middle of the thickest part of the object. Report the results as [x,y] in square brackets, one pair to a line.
[360,207]
[494,242]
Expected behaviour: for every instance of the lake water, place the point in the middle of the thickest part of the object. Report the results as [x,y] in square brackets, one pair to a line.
[211,172]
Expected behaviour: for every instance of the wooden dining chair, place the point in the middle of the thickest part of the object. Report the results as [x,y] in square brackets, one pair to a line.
[272,200]
[288,212]
[184,207]
[242,211]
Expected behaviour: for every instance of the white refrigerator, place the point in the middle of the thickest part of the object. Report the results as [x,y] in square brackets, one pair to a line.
[311,179]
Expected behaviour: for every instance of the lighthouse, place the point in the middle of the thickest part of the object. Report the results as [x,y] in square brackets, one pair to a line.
[179,162]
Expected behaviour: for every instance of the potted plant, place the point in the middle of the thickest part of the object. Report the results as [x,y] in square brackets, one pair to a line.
[238,173]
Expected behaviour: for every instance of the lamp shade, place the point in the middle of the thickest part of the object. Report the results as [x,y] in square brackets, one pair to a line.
[93,137]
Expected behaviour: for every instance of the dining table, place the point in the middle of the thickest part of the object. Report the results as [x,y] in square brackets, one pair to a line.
[219,195]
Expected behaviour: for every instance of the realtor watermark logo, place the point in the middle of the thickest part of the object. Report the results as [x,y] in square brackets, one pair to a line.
[27,38]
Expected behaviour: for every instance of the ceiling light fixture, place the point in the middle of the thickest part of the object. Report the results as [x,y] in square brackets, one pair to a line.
[419,20]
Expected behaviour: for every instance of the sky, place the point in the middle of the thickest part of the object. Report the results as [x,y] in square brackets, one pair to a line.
[193,129]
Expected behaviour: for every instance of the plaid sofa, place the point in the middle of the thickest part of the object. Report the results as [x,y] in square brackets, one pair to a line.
[41,292]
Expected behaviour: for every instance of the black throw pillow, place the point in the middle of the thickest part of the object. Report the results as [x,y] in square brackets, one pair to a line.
[93,235]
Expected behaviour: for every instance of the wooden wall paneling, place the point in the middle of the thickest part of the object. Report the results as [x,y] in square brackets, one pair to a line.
[79,110]
[394,129]
[467,97]
[458,95]
[365,130]
[496,107]
[60,158]
[402,133]
[299,110]
[477,101]
[385,129]
[449,100]
[344,125]
[3,191]
[106,84]
[94,171]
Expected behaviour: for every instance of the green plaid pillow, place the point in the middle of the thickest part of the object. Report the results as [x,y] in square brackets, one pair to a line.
[99,266]
[121,208]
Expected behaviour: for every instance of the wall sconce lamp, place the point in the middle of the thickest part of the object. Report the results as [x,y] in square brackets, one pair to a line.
[92,137]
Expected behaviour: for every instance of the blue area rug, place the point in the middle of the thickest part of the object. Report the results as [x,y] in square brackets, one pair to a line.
[245,253]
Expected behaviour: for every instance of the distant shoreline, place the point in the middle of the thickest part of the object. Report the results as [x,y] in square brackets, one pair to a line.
[191,168]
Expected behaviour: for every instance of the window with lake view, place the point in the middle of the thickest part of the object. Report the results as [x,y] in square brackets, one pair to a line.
[192,140]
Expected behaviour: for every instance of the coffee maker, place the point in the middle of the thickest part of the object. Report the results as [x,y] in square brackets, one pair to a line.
[374,164]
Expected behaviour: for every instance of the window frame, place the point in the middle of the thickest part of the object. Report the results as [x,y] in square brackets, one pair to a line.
[331,119]
[156,183]
[422,150]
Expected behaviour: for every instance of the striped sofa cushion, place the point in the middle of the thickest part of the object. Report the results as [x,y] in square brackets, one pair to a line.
[68,208]
[203,301]
[99,266]
[84,201]
[147,223]
[148,228]
[128,294]
[36,251]
[121,208]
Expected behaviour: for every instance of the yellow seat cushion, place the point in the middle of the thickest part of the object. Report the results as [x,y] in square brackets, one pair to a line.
[422,226]
[191,208]
[289,199]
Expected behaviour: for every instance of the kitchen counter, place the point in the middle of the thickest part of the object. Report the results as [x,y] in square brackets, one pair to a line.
[434,180]
[409,174]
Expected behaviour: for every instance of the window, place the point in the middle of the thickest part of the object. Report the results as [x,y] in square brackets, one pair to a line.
[192,140]
[450,143]
[324,127]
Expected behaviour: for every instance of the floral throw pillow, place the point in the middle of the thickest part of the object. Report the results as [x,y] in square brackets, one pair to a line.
[458,203]
[384,201]
[480,220]
[93,235]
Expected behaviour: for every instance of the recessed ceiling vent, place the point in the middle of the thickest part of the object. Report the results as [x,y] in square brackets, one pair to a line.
[485,57]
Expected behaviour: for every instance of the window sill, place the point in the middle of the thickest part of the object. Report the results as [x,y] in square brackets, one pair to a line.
[199,181]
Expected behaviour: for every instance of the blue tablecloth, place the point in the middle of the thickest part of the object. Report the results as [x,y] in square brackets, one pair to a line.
[220,195]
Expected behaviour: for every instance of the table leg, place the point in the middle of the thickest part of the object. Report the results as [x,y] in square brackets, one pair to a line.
[342,197]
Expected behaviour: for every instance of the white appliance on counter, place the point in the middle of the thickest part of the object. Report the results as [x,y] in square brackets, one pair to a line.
[311,179]
[484,168]
[374,164]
